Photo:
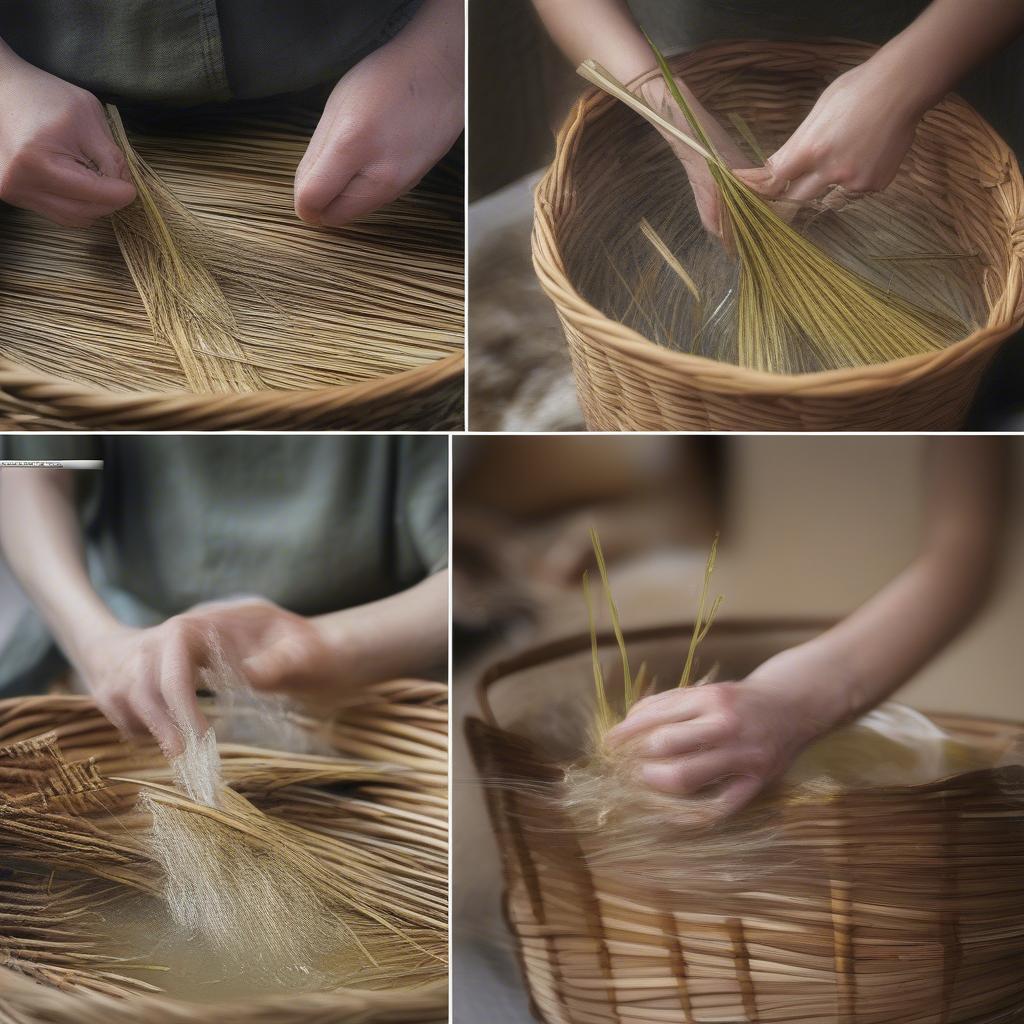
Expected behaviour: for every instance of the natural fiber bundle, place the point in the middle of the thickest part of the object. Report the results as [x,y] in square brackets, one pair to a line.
[161,244]
[654,350]
[346,852]
[223,310]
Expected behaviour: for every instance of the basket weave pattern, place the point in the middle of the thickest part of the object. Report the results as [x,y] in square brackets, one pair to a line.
[906,905]
[967,174]
[402,727]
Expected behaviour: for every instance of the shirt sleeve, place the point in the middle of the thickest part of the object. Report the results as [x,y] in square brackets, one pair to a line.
[422,509]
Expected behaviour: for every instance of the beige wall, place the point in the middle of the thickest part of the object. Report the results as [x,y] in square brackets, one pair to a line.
[812,526]
[816,525]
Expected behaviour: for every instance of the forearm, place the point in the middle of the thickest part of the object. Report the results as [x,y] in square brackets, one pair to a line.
[879,647]
[42,542]
[870,654]
[604,30]
[405,634]
[948,39]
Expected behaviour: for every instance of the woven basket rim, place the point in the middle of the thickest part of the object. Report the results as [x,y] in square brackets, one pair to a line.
[579,643]
[727,378]
[62,396]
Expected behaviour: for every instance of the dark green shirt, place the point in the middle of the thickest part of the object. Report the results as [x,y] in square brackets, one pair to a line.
[184,52]
[314,524]
[996,88]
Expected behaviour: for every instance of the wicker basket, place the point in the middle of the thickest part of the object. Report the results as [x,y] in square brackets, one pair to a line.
[425,398]
[359,328]
[959,167]
[402,822]
[909,911]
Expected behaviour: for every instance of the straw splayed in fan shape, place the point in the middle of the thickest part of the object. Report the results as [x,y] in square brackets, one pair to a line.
[792,295]
[162,245]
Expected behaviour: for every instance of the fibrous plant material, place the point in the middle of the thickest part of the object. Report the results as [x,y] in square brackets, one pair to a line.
[162,246]
[263,300]
[796,306]
[310,874]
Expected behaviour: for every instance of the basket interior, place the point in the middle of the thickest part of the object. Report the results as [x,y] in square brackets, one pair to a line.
[943,204]
[314,307]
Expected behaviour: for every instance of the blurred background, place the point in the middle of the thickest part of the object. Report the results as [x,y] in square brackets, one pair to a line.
[810,528]
[520,91]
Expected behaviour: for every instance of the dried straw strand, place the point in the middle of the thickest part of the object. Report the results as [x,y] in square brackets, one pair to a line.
[161,244]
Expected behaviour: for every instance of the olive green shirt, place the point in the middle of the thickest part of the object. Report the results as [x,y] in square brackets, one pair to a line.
[184,52]
[315,524]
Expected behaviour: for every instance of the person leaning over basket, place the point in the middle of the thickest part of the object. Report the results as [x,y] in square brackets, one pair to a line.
[855,138]
[395,110]
[744,734]
[344,539]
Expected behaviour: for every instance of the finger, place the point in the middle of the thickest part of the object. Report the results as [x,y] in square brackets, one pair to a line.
[363,194]
[760,179]
[121,715]
[178,688]
[735,796]
[641,718]
[687,775]
[150,707]
[69,213]
[810,186]
[279,666]
[679,739]
[69,179]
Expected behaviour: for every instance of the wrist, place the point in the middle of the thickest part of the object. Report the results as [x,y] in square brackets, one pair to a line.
[87,645]
[817,689]
[343,644]
[911,86]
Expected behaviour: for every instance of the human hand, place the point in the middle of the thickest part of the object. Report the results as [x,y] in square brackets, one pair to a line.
[145,680]
[856,137]
[737,736]
[705,191]
[387,122]
[57,156]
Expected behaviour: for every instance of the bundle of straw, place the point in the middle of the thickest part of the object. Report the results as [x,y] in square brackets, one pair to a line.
[791,294]
[348,851]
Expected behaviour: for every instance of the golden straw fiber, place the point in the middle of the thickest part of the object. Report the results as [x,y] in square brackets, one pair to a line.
[207,304]
[315,889]
[645,357]
[883,903]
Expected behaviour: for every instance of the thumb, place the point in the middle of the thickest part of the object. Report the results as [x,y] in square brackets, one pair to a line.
[105,155]
[765,181]
[274,668]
